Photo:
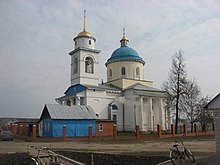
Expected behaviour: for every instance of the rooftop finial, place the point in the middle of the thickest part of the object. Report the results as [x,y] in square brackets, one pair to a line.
[124,41]
[84,22]
[123,32]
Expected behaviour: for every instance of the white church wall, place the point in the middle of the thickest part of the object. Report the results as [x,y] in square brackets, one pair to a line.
[130,115]
[130,72]
[99,101]
[132,110]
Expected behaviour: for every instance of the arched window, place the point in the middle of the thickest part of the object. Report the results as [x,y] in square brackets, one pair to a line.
[110,72]
[123,71]
[138,71]
[114,107]
[90,42]
[89,65]
[75,66]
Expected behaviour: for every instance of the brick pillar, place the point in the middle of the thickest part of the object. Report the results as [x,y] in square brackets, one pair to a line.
[20,129]
[13,130]
[205,129]
[159,131]
[181,128]
[137,132]
[34,132]
[172,130]
[195,129]
[90,132]
[64,133]
[114,132]
[9,127]
[27,130]
[184,129]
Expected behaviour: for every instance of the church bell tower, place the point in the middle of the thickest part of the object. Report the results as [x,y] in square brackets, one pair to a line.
[84,59]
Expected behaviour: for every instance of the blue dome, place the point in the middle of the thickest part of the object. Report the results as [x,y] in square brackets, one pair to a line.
[124,52]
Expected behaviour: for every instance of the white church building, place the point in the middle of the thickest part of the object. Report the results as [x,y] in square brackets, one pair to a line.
[126,97]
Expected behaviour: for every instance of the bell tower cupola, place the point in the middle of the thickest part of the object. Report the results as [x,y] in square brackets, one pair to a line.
[84,38]
[84,58]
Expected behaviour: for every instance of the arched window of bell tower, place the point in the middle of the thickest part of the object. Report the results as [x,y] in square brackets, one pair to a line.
[75,66]
[89,65]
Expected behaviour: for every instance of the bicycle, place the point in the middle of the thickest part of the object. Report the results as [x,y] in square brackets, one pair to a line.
[181,154]
[50,158]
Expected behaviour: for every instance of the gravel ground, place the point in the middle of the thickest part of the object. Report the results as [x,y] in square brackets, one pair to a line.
[85,157]
[15,159]
[111,152]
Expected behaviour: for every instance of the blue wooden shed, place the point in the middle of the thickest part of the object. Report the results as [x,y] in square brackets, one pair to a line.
[77,119]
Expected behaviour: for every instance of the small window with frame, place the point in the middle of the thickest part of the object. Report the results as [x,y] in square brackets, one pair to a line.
[101,127]
[123,71]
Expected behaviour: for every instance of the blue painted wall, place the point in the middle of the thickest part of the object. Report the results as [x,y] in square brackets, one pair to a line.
[74,128]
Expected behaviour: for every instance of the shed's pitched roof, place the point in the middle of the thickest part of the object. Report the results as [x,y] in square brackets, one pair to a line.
[214,103]
[57,111]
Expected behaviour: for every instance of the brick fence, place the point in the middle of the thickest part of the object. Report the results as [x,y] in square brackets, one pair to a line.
[23,132]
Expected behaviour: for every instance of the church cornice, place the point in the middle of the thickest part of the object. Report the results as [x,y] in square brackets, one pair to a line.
[85,49]
[124,59]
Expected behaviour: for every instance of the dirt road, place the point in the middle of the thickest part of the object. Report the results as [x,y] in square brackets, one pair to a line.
[199,146]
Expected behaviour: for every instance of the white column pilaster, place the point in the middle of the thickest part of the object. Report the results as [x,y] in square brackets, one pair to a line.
[161,113]
[141,115]
[150,117]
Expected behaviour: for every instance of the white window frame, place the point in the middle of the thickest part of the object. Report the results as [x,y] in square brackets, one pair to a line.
[101,127]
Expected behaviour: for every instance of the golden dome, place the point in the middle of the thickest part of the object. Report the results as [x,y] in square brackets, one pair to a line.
[84,34]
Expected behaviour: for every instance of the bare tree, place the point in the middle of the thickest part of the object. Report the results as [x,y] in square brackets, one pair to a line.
[205,115]
[189,102]
[175,84]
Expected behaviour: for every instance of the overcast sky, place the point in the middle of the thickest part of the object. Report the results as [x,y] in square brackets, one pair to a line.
[36,37]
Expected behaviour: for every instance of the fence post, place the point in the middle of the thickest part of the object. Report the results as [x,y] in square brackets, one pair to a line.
[137,132]
[34,132]
[172,130]
[159,131]
[205,129]
[195,129]
[114,132]
[20,129]
[13,129]
[64,133]
[26,129]
[184,129]
[90,132]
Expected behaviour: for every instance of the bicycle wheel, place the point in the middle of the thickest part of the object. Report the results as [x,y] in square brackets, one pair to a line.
[174,155]
[35,161]
[189,155]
